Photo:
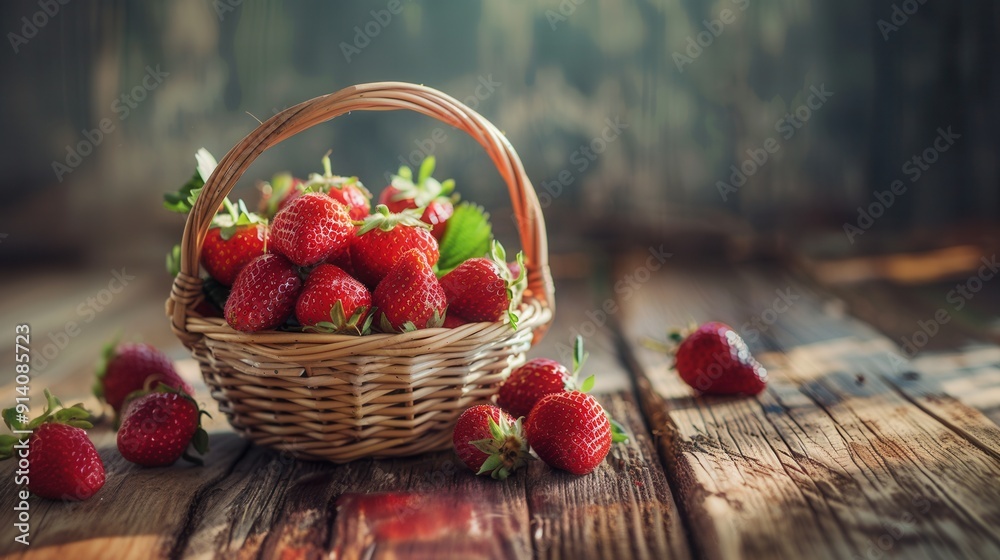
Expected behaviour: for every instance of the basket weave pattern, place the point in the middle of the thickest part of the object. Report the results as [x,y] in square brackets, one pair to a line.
[340,397]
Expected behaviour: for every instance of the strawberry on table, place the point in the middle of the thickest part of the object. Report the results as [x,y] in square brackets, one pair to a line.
[714,360]
[263,295]
[570,431]
[384,238]
[158,428]
[482,289]
[527,384]
[333,301]
[235,238]
[63,462]
[311,229]
[490,441]
[410,296]
[129,367]
[426,194]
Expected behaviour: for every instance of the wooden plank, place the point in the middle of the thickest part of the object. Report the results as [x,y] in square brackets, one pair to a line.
[819,465]
[959,361]
[136,514]
[252,502]
[624,509]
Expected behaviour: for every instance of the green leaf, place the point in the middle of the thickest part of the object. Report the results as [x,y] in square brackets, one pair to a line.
[618,433]
[426,169]
[206,164]
[181,201]
[174,261]
[587,384]
[7,443]
[467,236]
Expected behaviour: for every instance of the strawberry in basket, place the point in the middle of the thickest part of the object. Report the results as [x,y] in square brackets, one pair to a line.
[236,236]
[483,289]
[384,238]
[426,194]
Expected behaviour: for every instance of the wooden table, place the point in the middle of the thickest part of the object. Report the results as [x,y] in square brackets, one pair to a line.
[853,451]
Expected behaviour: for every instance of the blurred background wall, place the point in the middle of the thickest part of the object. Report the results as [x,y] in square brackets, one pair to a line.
[633,117]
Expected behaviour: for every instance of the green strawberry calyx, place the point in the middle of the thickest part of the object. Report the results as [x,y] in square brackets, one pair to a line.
[434,322]
[618,432]
[675,336]
[340,323]
[235,217]
[514,286]
[76,416]
[328,181]
[183,200]
[506,448]
[385,220]
[425,189]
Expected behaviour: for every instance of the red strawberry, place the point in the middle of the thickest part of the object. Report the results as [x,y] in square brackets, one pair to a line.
[347,190]
[63,462]
[715,360]
[527,384]
[530,382]
[263,295]
[126,368]
[426,193]
[311,229]
[451,321]
[235,238]
[158,428]
[569,431]
[488,440]
[482,289]
[410,297]
[333,301]
[383,239]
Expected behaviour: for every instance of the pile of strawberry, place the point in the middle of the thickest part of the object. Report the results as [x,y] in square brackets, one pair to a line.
[555,417]
[317,257]
[158,425]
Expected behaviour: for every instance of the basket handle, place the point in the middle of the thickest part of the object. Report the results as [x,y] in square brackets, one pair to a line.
[380,96]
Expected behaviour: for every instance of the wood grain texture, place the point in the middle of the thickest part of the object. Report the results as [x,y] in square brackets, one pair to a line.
[824,464]
[624,509]
[251,502]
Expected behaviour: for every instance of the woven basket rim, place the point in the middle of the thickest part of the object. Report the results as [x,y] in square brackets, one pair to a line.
[186,293]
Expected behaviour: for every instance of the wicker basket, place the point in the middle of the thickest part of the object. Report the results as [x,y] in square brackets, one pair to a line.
[340,397]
